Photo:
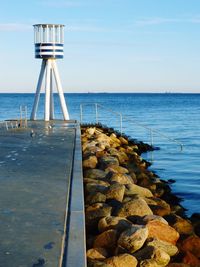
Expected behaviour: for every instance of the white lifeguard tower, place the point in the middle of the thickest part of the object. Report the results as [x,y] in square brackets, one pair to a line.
[49,43]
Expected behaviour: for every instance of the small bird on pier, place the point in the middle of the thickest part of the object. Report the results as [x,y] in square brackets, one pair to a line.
[32,134]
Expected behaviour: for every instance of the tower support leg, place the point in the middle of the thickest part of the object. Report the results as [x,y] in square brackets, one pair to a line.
[37,95]
[47,91]
[60,91]
[51,97]
[50,68]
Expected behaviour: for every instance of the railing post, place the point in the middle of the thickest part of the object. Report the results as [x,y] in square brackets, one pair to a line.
[151,137]
[81,113]
[96,112]
[121,124]
[26,122]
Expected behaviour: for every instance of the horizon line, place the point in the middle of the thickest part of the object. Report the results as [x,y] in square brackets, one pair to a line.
[104,92]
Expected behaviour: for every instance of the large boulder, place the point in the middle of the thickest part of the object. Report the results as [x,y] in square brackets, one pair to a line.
[107,239]
[169,248]
[103,139]
[133,238]
[144,180]
[159,210]
[161,231]
[192,244]
[123,260]
[145,219]
[113,151]
[116,169]
[97,254]
[182,226]
[88,145]
[94,188]
[159,206]
[106,161]
[95,197]
[111,222]
[114,141]
[152,257]
[191,259]
[91,151]
[132,189]
[95,174]
[137,206]
[149,218]
[95,181]
[121,178]
[116,191]
[97,263]
[123,140]
[95,212]
[150,263]
[176,264]
[90,131]
[122,157]
[90,162]
[195,219]
[100,153]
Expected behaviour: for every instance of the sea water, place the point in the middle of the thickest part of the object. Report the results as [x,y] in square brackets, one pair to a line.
[176,116]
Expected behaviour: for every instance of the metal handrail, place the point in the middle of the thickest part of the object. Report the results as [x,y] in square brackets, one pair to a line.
[152,131]
[9,124]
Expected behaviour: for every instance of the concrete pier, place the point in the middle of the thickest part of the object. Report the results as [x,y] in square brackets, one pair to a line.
[41,196]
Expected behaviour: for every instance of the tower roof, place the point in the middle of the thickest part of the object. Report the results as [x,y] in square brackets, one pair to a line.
[47,24]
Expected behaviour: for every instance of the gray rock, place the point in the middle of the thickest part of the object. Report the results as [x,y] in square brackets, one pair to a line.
[150,256]
[90,130]
[111,222]
[95,188]
[106,240]
[116,191]
[96,263]
[137,206]
[132,189]
[90,162]
[95,181]
[95,212]
[123,140]
[169,248]
[95,198]
[97,254]
[88,145]
[116,169]
[149,263]
[121,178]
[95,174]
[106,161]
[122,157]
[123,260]
[149,218]
[133,238]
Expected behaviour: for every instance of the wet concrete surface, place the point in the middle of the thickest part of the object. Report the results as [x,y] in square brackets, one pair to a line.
[35,172]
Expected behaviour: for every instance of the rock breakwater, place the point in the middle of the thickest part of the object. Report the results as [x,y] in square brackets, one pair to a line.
[132,217]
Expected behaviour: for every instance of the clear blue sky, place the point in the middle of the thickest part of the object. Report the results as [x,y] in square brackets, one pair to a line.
[110,45]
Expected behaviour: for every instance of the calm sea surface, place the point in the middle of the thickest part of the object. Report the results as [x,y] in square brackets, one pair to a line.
[175,115]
